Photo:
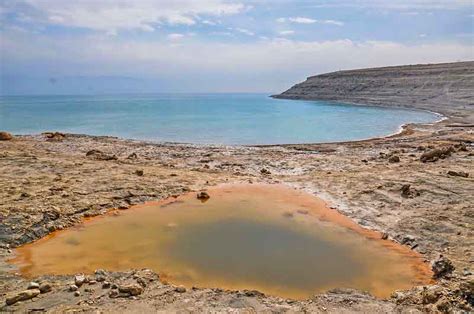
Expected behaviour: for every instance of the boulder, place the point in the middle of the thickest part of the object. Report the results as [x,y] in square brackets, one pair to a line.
[431,294]
[394,159]
[132,289]
[437,153]
[180,289]
[45,287]
[406,192]
[33,285]
[203,196]
[442,267]
[100,155]
[54,136]
[79,280]
[458,174]
[22,296]
[466,290]
[5,136]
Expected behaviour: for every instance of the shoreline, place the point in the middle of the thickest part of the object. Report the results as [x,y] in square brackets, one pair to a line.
[52,184]
[349,185]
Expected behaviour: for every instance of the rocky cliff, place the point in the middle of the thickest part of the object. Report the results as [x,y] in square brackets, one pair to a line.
[447,88]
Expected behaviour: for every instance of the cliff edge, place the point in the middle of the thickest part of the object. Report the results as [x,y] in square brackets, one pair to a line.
[447,88]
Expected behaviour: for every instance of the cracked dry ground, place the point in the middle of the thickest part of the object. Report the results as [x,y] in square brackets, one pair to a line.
[48,185]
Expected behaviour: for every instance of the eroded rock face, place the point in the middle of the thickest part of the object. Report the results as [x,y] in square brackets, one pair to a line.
[401,86]
[5,136]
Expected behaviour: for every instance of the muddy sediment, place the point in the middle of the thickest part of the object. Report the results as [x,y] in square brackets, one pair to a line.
[265,237]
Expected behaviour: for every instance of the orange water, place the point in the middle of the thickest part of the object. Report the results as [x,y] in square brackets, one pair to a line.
[265,237]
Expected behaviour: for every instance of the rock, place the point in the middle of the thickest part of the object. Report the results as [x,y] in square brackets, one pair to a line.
[51,215]
[444,305]
[442,267]
[5,136]
[180,289]
[77,293]
[141,282]
[139,173]
[458,174]
[406,192]
[466,289]
[437,153]
[79,280]
[22,296]
[384,236]
[431,294]
[54,136]
[461,147]
[33,285]
[100,272]
[73,288]
[265,171]
[394,159]
[253,293]
[45,287]
[106,285]
[100,155]
[132,156]
[203,196]
[132,289]
[100,278]
[407,239]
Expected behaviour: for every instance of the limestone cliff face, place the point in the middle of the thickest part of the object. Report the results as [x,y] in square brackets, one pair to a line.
[447,88]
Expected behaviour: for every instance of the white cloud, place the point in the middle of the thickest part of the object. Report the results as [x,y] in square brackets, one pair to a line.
[301,20]
[175,36]
[306,20]
[396,4]
[114,15]
[242,30]
[287,32]
[208,22]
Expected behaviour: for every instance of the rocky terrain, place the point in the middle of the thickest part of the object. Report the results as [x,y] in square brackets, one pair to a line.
[416,187]
[445,88]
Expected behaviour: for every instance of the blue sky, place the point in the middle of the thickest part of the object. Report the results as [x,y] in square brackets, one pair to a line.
[102,46]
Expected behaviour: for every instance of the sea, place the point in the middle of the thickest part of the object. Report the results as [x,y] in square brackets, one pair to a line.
[223,119]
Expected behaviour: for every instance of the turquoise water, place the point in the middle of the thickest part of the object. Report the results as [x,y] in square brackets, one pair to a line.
[203,118]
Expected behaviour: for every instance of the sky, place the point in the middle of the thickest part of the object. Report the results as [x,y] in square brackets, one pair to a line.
[147,46]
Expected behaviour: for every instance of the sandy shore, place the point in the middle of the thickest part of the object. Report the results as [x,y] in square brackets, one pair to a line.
[51,183]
